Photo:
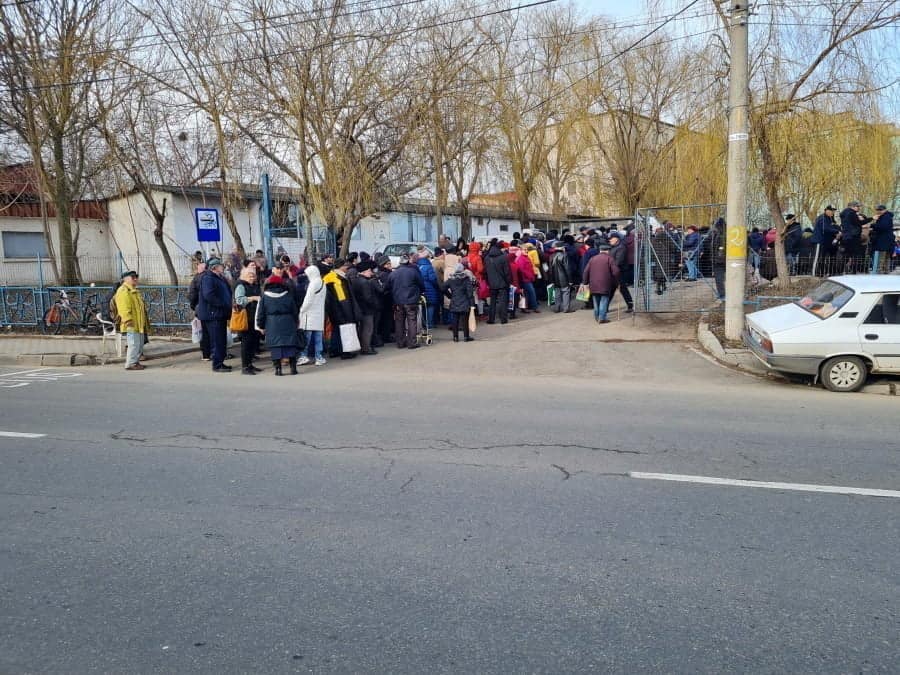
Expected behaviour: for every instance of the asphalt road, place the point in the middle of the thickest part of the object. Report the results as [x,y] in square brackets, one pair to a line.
[460,508]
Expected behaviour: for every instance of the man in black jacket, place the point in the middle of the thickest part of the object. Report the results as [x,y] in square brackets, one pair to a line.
[881,238]
[499,279]
[852,222]
[824,233]
[406,286]
[619,253]
[368,300]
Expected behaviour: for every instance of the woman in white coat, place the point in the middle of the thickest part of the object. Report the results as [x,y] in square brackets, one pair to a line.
[312,316]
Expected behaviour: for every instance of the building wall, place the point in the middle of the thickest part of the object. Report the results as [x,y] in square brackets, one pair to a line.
[93,253]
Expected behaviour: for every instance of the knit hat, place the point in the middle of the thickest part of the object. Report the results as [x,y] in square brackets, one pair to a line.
[458,267]
[212,262]
[275,280]
[130,273]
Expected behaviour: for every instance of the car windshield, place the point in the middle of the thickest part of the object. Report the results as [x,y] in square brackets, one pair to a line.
[825,299]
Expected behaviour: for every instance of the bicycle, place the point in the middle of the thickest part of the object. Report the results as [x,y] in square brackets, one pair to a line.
[65,311]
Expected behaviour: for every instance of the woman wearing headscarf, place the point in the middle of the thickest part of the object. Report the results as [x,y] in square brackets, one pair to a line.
[276,318]
[246,296]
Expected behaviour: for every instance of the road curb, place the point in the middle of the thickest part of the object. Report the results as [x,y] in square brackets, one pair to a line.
[70,360]
[743,360]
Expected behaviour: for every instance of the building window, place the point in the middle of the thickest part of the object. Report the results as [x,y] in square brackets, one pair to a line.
[504,228]
[24,245]
[480,221]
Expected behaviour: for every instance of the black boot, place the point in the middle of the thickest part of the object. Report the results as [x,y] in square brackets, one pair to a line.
[293,362]
[277,364]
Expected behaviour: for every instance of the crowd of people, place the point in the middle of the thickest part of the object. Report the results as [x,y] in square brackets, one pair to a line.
[348,307]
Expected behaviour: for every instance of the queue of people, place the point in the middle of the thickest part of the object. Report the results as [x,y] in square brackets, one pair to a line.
[345,308]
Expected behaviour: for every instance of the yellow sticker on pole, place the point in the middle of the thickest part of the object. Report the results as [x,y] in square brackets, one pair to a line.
[737,242]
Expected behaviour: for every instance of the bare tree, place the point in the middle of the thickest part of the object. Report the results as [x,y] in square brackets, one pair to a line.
[54,55]
[808,53]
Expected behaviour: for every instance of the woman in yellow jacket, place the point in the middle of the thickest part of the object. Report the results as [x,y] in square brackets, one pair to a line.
[133,319]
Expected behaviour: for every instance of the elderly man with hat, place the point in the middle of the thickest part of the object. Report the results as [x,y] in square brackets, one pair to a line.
[619,253]
[214,310]
[133,319]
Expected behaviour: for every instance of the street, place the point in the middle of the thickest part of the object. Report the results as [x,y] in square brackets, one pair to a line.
[461,508]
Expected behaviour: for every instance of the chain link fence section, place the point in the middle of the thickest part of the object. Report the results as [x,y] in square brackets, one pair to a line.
[674,266]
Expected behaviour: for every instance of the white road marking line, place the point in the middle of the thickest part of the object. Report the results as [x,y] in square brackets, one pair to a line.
[24,372]
[799,487]
[16,434]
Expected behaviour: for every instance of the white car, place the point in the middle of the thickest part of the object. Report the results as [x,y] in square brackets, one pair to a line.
[395,249]
[844,329]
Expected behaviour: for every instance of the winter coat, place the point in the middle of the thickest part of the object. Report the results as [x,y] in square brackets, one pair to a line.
[770,237]
[620,254]
[194,291]
[526,269]
[602,274]
[535,258]
[438,265]
[131,309]
[851,224]
[691,242]
[825,231]
[793,239]
[882,232]
[515,279]
[460,288]
[312,309]
[665,254]
[574,258]
[432,287]
[340,305]
[450,262]
[629,247]
[559,269]
[406,285]
[757,242]
[242,291]
[496,269]
[476,264]
[585,259]
[276,314]
[215,298]
[366,293]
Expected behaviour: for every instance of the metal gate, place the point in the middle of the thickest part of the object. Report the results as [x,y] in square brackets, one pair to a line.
[674,266]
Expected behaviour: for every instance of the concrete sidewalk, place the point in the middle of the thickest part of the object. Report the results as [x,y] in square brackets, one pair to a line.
[45,350]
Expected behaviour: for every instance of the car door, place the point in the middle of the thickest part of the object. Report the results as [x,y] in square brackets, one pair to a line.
[879,333]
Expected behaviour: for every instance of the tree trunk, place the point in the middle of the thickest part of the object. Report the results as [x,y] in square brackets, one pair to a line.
[229,215]
[465,220]
[160,218]
[771,182]
[63,202]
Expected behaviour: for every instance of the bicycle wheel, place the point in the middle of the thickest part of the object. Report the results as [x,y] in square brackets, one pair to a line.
[51,322]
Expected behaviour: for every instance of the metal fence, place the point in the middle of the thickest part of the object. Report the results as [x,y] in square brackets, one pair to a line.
[675,270]
[25,306]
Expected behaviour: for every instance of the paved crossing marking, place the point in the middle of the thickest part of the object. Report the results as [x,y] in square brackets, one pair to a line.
[18,434]
[23,378]
[799,487]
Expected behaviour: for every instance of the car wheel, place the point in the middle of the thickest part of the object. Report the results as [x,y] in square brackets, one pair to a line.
[844,373]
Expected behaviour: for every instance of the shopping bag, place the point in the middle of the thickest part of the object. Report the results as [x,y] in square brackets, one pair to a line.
[512,299]
[239,322]
[584,293]
[523,304]
[196,331]
[349,338]
[551,295]
[473,322]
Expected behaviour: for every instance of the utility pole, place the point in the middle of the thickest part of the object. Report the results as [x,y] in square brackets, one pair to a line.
[738,142]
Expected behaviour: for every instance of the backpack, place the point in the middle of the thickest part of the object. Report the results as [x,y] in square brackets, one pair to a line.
[109,305]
